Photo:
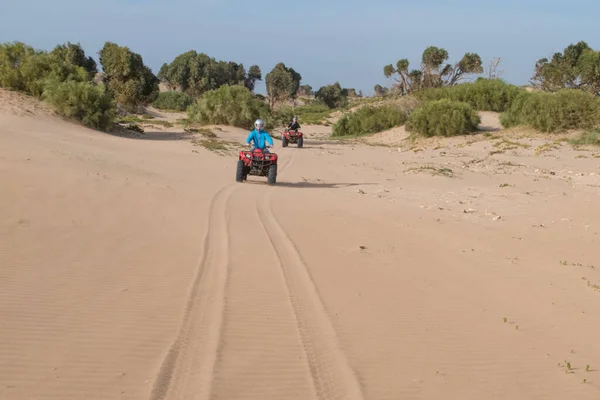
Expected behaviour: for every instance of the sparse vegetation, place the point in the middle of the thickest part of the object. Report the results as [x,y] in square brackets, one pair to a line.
[587,138]
[312,113]
[173,101]
[443,118]
[369,120]
[553,112]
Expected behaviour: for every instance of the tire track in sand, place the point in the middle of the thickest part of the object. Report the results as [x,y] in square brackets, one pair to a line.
[332,375]
[187,369]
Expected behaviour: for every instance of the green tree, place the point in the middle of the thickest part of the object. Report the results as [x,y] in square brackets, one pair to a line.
[131,82]
[578,67]
[380,91]
[305,90]
[196,73]
[282,83]
[333,95]
[434,71]
[73,54]
[254,74]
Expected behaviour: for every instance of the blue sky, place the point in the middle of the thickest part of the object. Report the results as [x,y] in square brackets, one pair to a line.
[349,41]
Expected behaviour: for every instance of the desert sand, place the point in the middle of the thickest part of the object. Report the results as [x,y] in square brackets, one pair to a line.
[135,267]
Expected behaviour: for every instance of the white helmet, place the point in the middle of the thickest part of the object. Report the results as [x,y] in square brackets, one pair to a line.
[259,124]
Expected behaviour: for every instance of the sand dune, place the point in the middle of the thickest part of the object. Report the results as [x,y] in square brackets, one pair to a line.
[137,268]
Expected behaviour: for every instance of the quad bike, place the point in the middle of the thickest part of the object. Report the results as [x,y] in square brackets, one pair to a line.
[256,162]
[293,137]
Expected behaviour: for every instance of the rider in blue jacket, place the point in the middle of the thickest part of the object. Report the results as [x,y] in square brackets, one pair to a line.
[259,137]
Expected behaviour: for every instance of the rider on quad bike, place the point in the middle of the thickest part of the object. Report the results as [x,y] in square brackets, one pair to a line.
[260,138]
[294,125]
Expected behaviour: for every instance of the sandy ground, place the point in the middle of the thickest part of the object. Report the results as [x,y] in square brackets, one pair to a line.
[137,268]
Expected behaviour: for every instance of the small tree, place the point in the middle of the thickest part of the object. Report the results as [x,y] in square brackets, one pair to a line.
[492,70]
[380,91]
[254,75]
[305,90]
[434,71]
[282,83]
[131,82]
[333,95]
[578,67]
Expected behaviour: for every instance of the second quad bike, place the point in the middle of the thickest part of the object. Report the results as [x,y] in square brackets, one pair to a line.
[257,162]
[293,137]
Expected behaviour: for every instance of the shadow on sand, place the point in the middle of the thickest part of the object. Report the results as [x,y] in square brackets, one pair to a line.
[305,185]
[155,135]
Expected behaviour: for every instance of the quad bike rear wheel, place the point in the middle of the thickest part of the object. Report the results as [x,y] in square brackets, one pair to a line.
[239,173]
[272,177]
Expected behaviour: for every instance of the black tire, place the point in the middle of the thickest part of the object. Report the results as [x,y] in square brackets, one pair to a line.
[284,142]
[272,177]
[239,173]
[300,142]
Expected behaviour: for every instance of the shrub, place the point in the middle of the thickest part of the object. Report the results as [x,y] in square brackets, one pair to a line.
[483,94]
[178,101]
[369,120]
[229,105]
[552,112]
[443,118]
[84,101]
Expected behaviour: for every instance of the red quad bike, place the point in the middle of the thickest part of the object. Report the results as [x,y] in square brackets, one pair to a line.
[293,137]
[256,162]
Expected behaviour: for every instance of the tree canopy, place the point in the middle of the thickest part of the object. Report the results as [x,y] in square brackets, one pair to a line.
[282,83]
[577,67]
[131,82]
[196,73]
[434,70]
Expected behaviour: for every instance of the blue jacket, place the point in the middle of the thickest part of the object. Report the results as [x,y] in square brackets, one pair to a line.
[259,139]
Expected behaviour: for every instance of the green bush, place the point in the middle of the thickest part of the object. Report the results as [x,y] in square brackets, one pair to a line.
[84,101]
[12,57]
[553,112]
[178,101]
[312,113]
[443,118]
[229,105]
[483,94]
[369,120]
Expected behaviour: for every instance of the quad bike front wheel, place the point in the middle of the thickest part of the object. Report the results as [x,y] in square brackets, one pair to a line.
[239,173]
[300,142]
[272,176]
[284,142]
